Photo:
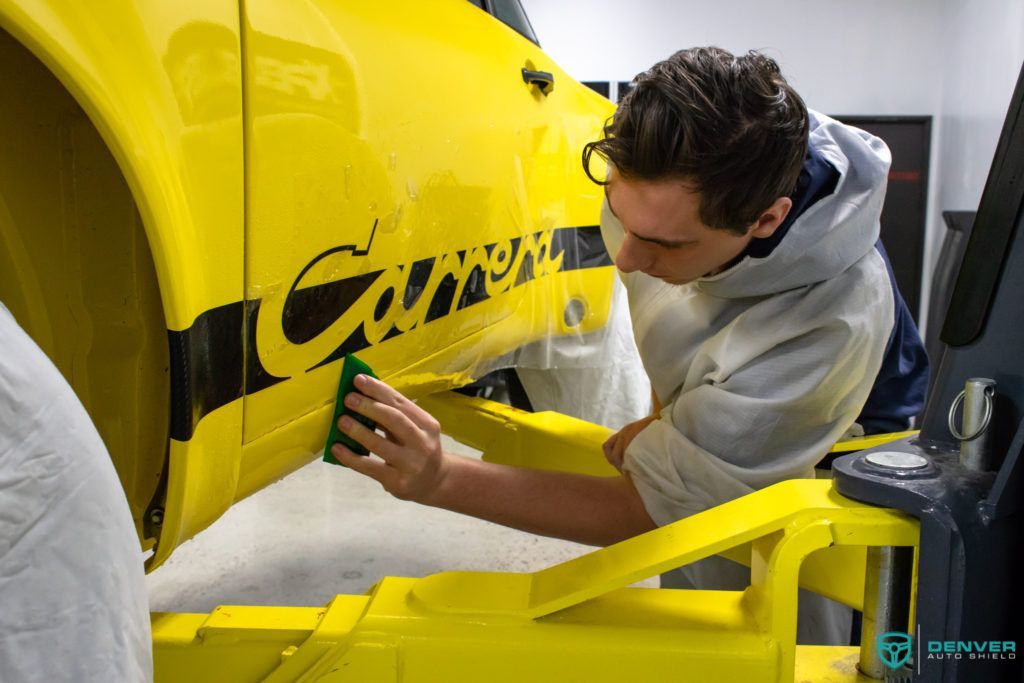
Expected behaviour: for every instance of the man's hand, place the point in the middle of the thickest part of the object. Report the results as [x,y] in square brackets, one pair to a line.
[615,446]
[414,466]
[576,507]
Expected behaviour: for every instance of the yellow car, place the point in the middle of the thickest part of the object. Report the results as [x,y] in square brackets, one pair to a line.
[205,204]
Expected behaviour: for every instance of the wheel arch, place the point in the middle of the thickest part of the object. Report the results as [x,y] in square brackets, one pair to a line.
[183,215]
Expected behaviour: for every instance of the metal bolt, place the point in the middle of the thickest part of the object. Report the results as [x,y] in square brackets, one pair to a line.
[156,516]
[894,460]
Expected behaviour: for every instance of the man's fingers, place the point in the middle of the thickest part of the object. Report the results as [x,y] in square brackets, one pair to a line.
[613,449]
[390,419]
[384,393]
[617,452]
[368,438]
[609,446]
[374,469]
[624,437]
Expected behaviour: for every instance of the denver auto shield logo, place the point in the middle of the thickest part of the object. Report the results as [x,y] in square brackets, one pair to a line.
[894,648]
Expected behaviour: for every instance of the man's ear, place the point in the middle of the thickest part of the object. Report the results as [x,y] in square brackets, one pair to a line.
[771,218]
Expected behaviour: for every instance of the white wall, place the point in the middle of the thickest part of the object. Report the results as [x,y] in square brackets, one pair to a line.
[869,56]
[956,60]
[982,50]
[984,47]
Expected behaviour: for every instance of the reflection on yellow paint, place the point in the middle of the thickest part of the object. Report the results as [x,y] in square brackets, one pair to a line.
[203,66]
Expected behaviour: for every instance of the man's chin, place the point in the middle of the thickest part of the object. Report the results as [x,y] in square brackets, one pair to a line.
[675,280]
[670,279]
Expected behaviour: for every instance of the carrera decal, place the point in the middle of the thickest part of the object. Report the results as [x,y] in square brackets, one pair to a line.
[286,334]
[386,303]
[307,312]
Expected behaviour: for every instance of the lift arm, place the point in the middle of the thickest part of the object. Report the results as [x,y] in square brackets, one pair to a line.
[578,620]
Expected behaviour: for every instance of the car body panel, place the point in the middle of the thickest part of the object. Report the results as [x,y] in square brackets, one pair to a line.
[371,169]
[184,169]
[77,273]
[179,150]
[303,188]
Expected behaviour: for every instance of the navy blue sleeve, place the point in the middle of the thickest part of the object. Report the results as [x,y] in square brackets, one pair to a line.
[902,383]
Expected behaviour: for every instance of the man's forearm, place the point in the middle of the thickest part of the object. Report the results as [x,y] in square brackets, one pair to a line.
[575,507]
[413,466]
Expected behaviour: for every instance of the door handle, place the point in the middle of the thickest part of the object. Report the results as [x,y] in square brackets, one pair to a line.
[544,80]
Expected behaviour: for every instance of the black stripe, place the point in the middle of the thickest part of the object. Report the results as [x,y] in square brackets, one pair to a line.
[308,312]
[356,342]
[206,366]
[582,248]
[257,378]
[215,360]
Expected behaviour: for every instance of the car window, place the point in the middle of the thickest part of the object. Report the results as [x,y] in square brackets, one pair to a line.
[511,12]
[478,3]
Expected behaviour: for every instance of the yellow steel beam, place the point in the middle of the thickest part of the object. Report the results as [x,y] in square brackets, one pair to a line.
[737,522]
[195,661]
[861,443]
[578,620]
[506,435]
[574,621]
[822,664]
[549,440]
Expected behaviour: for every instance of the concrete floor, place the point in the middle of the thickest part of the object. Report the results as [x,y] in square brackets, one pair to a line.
[326,530]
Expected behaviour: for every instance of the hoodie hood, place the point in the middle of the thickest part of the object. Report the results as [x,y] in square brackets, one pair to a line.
[832,234]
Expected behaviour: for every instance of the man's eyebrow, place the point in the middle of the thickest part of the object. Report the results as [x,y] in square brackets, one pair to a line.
[661,243]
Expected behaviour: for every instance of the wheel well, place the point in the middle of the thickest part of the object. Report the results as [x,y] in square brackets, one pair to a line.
[76,269]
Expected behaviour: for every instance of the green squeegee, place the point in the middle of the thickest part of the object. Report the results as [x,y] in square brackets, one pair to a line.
[351,367]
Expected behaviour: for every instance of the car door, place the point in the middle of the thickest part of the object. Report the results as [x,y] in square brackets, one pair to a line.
[408,197]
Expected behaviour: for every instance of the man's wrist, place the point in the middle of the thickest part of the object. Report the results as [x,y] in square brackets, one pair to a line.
[440,490]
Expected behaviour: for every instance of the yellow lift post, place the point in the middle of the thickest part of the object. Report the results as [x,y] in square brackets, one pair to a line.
[579,620]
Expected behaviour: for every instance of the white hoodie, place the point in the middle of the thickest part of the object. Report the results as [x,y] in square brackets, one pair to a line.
[762,367]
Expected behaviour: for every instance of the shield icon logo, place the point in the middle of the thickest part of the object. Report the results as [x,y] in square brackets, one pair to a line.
[894,648]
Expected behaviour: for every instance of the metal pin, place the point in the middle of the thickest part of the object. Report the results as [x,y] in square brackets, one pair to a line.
[886,603]
[975,438]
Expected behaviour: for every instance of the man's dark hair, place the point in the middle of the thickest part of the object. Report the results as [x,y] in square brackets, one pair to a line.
[730,126]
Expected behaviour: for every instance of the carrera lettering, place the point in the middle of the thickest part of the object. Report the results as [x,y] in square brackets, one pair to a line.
[319,323]
[474,276]
[248,346]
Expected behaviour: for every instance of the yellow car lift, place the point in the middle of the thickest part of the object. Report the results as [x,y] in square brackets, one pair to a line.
[579,620]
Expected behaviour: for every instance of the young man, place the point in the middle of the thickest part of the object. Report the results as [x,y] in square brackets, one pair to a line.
[746,233]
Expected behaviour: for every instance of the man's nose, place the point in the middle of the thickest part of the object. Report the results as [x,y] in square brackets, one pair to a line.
[630,257]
